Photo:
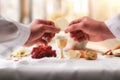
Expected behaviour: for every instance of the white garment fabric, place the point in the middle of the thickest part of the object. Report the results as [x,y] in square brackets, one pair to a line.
[12,34]
[114,26]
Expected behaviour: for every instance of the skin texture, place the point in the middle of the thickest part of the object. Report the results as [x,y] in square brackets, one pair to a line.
[42,31]
[88,29]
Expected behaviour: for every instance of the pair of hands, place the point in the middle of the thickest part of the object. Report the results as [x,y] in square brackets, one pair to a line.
[80,30]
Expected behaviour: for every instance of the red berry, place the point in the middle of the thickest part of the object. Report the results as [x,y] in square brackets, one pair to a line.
[43,51]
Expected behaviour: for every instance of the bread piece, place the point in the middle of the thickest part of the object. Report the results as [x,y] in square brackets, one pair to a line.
[116,52]
[74,54]
[91,55]
[83,53]
[88,54]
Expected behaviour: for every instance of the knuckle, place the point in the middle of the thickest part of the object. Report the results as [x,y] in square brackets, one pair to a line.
[43,27]
[86,19]
[83,23]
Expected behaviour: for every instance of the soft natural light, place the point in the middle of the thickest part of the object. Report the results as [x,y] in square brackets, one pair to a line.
[53,9]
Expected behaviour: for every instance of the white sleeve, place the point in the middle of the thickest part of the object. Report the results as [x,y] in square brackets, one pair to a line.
[114,26]
[12,34]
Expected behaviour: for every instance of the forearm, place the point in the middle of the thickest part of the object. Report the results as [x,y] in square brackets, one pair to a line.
[114,26]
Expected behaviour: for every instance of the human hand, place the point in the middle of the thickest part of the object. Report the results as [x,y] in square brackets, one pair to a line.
[88,29]
[42,31]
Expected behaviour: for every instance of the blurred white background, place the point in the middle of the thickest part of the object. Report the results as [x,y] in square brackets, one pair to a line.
[27,10]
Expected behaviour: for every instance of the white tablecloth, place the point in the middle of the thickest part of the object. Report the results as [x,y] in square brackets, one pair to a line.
[61,69]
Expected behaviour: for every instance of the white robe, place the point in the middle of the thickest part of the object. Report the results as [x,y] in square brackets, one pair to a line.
[12,34]
[114,26]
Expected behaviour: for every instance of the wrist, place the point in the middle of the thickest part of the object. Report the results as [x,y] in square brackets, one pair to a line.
[106,33]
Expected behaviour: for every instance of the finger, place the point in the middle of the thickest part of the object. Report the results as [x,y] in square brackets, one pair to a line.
[75,21]
[78,36]
[42,41]
[42,30]
[48,36]
[74,27]
[86,36]
[47,22]
[71,35]
[30,43]
[81,39]
[51,29]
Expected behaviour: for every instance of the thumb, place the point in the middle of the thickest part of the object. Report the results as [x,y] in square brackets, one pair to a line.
[74,27]
[52,29]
